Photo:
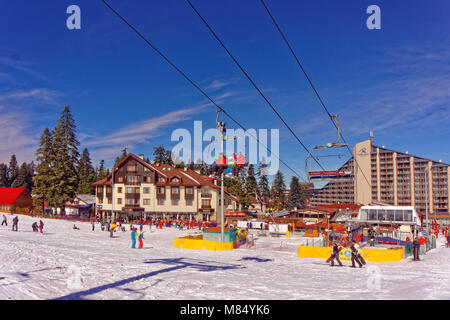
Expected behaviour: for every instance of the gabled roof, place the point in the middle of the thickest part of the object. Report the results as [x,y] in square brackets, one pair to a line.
[188,177]
[9,195]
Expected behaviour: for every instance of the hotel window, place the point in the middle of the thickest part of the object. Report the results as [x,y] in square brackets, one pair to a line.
[119,200]
[132,201]
[108,189]
[206,191]
[146,202]
[162,179]
[161,190]
[189,202]
[145,179]
[120,179]
[99,189]
[109,200]
[160,202]
[175,179]
[146,190]
[175,190]
[133,179]
[100,200]
[174,202]
[189,190]
[119,190]
[132,168]
[206,202]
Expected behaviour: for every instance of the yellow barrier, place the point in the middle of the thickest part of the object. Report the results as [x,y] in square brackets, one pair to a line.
[197,243]
[372,255]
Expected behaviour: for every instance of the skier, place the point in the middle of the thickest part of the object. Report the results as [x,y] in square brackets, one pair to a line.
[335,255]
[4,222]
[34,226]
[15,223]
[372,240]
[75,227]
[416,248]
[93,225]
[41,226]
[140,238]
[355,255]
[133,238]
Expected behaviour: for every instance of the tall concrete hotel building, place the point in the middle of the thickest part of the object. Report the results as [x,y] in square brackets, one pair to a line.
[391,177]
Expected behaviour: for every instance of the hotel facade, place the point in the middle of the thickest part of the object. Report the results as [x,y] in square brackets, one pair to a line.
[386,176]
[136,188]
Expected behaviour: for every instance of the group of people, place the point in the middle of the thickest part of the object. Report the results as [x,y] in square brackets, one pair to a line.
[15,223]
[137,235]
[231,165]
[38,228]
[355,250]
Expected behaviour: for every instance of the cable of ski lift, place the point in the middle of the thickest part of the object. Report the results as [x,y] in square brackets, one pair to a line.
[199,89]
[312,86]
[250,79]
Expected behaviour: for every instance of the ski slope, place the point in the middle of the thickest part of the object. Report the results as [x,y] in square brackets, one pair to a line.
[83,264]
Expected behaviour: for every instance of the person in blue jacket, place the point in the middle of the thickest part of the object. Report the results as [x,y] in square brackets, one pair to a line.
[133,238]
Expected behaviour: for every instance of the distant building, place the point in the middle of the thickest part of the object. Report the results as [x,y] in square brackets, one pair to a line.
[15,200]
[136,188]
[82,204]
[390,177]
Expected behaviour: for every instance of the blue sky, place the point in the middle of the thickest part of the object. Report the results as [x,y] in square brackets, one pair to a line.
[394,81]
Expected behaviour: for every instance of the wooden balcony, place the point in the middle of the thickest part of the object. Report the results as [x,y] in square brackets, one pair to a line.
[206,195]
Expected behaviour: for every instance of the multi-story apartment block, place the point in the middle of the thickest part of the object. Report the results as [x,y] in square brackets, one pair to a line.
[136,188]
[386,176]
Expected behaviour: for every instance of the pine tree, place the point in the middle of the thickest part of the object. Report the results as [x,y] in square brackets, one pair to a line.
[295,198]
[123,155]
[13,170]
[250,185]
[161,155]
[30,175]
[86,174]
[277,191]
[43,179]
[22,177]
[65,146]
[4,176]
[101,172]
[263,184]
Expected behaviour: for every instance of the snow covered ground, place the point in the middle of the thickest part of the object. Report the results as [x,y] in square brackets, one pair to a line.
[83,264]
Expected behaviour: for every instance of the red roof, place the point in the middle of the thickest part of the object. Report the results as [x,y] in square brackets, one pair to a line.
[9,195]
[336,206]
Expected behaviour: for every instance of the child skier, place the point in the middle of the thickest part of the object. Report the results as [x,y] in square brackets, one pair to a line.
[41,226]
[4,222]
[141,238]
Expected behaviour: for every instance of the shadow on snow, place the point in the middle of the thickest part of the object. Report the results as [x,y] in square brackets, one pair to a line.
[175,264]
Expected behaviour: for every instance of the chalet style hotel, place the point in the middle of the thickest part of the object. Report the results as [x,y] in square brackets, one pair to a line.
[390,177]
[136,188]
